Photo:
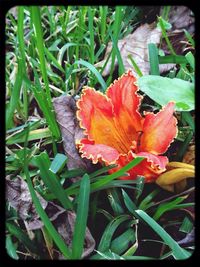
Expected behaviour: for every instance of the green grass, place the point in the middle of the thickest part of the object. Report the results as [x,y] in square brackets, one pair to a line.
[50,51]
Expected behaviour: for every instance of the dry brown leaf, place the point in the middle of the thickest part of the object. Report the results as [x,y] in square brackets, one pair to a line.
[65,109]
[136,45]
[188,239]
[181,18]
[66,229]
[189,156]
[18,195]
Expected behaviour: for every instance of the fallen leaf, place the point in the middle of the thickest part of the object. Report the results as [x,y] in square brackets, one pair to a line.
[65,226]
[189,156]
[136,45]
[188,240]
[181,17]
[18,195]
[65,109]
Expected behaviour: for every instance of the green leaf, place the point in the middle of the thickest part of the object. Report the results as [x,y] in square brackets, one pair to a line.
[115,202]
[95,71]
[166,24]
[14,99]
[178,252]
[81,218]
[53,59]
[91,31]
[186,116]
[186,226]
[108,178]
[118,54]
[107,255]
[153,59]
[139,186]
[162,208]
[128,202]
[19,137]
[106,181]
[189,37]
[38,34]
[58,163]
[106,238]
[10,247]
[45,219]
[176,59]
[147,201]
[122,242]
[21,235]
[190,58]
[163,90]
[136,67]
[51,180]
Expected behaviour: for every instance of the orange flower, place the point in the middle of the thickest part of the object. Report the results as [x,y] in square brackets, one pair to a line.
[117,133]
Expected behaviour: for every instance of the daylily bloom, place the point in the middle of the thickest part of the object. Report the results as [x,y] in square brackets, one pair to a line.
[116,132]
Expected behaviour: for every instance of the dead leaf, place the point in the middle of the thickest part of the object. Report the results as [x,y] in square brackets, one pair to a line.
[65,109]
[18,195]
[65,226]
[136,45]
[188,240]
[181,17]
[189,156]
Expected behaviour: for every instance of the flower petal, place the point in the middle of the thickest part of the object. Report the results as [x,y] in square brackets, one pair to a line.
[97,118]
[150,168]
[159,130]
[97,152]
[126,102]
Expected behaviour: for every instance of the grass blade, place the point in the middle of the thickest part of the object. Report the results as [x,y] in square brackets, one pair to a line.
[37,27]
[128,202]
[109,231]
[33,135]
[167,207]
[10,248]
[115,201]
[91,31]
[117,174]
[94,70]
[81,218]
[48,224]
[190,59]
[147,201]
[164,33]
[58,163]
[22,236]
[41,98]
[186,226]
[178,252]
[122,242]
[105,180]
[53,59]
[103,13]
[137,69]
[15,95]
[50,179]
[118,54]
[189,37]
[176,59]
[153,59]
